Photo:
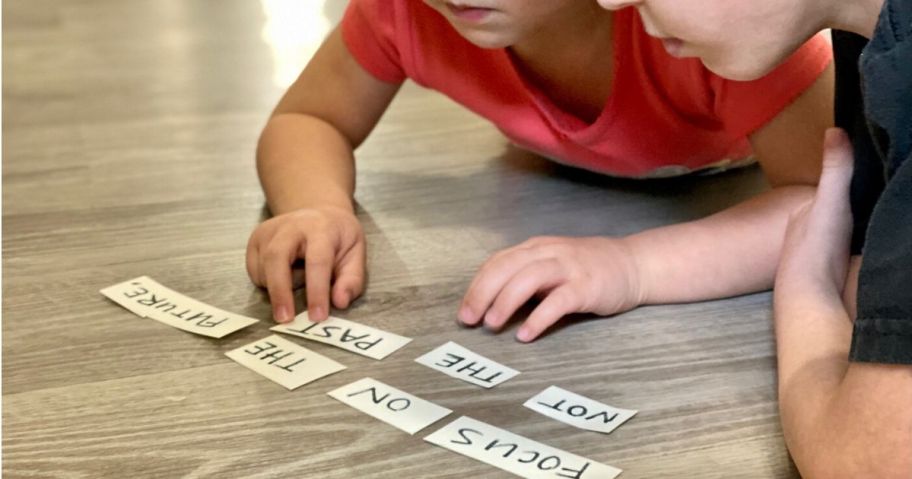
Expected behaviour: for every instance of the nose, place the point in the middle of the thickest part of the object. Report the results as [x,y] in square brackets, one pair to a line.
[617,4]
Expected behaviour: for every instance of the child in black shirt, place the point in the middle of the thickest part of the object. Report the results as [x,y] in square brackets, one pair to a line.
[845,378]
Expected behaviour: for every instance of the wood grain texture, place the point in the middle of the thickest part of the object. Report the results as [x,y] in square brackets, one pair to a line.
[128,136]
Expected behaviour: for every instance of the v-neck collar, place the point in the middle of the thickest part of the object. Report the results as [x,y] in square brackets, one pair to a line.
[566,124]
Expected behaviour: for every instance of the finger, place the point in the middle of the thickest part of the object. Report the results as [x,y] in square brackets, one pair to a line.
[276,267]
[830,220]
[490,279]
[536,277]
[559,303]
[253,262]
[836,177]
[349,276]
[318,260]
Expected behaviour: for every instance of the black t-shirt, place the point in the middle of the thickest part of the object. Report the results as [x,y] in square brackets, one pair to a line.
[874,105]
[868,180]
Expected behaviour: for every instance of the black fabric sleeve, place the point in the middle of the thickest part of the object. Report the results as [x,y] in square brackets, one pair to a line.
[883,328]
[868,180]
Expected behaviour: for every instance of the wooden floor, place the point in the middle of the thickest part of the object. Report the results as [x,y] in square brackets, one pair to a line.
[129,129]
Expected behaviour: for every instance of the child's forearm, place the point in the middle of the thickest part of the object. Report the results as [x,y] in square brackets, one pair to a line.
[304,162]
[839,419]
[860,426]
[732,252]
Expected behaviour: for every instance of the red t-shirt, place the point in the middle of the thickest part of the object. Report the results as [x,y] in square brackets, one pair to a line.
[664,116]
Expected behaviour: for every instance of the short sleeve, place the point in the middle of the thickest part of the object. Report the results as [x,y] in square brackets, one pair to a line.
[745,106]
[883,330]
[369,31]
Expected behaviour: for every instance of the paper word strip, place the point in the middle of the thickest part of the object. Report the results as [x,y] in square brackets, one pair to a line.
[516,454]
[284,362]
[390,405]
[148,299]
[348,335]
[578,411]
[458,362]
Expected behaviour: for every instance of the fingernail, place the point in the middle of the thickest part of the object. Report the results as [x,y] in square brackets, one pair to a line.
[465,314]
[833,137]
[317,314]
[282,315]
[524,335]
[490,319]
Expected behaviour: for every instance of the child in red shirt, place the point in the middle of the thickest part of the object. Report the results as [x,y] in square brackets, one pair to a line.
[667,117]
[568,80]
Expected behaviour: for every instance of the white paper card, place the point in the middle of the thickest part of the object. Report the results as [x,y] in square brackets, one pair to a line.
[578,411]
[284,362]
[390,405]
[129,294]
[458,362]
[348,335]
[149,299]
[516,454]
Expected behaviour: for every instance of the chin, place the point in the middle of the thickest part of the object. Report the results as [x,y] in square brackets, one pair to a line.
[488,40]
[742,68]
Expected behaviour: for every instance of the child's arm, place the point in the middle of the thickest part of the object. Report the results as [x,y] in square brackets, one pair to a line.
[306,166]
[840,419]
[732,252]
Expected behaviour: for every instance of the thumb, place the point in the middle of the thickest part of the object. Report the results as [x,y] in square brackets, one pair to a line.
[830,219]
[833,189]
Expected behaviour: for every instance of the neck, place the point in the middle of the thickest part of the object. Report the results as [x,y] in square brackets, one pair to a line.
[571,60]
[579,28]
[857,16]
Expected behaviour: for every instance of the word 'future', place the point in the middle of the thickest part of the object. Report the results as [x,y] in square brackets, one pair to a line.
[148,299]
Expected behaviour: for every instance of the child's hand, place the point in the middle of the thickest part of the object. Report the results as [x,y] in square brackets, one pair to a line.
[592,275]
[815,257]
[331,243]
